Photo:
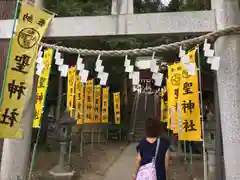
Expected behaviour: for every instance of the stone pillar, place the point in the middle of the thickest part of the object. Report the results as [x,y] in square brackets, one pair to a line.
[209,139]
[6,12]
[218,138]
[122,7]
[16,152]
[228,79]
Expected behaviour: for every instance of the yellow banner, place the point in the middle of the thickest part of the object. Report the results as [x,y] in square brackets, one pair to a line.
[192,55]
[117,111]
[168,110]
[173,83]
[89,102]
[105,94]
[42,86]
[70,89]
[163,106]
[32,24]
[79,101]
[190,128]
[97,104]
[165,112]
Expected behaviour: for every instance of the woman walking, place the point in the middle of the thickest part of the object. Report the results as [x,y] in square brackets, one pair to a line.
[152,154]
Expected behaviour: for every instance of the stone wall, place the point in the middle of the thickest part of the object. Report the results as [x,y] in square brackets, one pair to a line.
[6,12]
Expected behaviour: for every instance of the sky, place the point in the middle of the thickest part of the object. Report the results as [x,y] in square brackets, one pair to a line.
[166,2]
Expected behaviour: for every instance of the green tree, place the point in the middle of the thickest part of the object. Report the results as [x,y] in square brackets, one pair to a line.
[66,8]
[194,5]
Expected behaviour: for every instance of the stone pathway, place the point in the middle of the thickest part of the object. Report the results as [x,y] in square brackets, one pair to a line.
[124,166]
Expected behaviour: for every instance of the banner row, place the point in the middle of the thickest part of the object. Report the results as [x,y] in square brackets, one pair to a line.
[181,111]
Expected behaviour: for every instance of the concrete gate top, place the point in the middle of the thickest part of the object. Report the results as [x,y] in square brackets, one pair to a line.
[125,23]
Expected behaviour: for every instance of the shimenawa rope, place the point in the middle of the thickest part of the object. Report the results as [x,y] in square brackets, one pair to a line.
[149,50]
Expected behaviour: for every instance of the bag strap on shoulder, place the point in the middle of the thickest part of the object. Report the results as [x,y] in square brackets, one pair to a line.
[157,148]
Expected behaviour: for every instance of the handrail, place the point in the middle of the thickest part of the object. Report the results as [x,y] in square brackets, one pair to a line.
[136,104]
[133,117]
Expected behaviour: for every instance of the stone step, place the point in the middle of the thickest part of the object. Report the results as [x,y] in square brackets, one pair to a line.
[141,129]
[140,123]
[138,137]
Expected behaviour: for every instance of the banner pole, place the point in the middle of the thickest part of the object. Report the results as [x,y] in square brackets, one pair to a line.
[108,114]
[33,160]
[161,104]
[201,116]
[83,118]
[191,156]
[9,50]
[185,156]
[185,151]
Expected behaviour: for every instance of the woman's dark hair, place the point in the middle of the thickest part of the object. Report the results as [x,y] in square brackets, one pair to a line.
[152,128]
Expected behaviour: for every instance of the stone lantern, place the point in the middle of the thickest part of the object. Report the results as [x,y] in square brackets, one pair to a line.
[63,169]
[210,136]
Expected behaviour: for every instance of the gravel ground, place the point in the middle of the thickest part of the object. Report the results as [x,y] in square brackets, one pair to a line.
[97,160]
[92,165]
[179,169]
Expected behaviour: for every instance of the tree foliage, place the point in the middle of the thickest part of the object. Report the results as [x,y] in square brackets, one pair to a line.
[103,7]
